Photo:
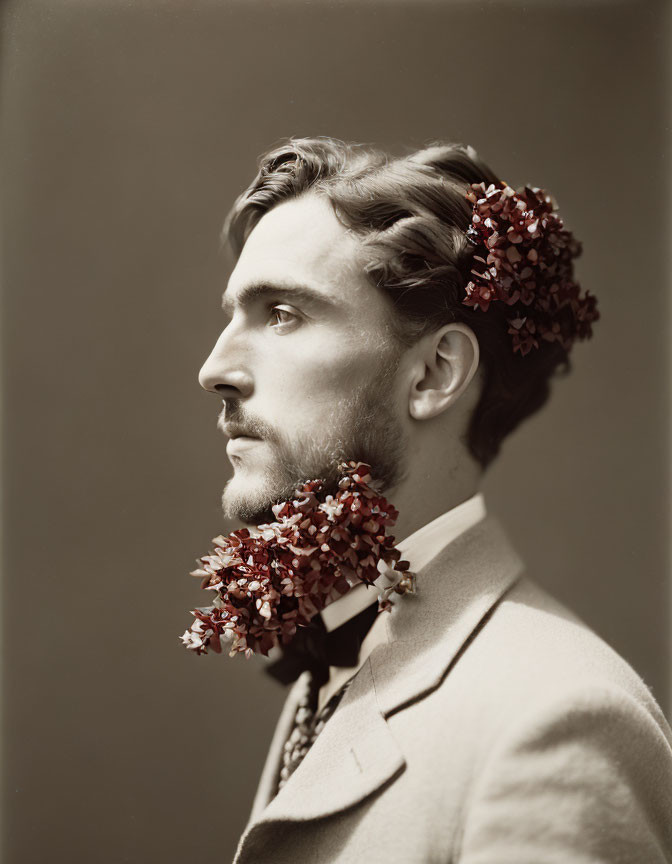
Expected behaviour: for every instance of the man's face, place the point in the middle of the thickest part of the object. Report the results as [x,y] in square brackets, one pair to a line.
[305,364]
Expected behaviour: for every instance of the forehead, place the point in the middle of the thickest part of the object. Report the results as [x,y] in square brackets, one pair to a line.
[301,241]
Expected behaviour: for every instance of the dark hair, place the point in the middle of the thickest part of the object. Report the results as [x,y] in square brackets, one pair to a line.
[412,216]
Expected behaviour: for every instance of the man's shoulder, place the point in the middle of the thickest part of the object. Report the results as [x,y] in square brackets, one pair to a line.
[495,642]
[532,649]
[536,695]
[561,730]
[552,640]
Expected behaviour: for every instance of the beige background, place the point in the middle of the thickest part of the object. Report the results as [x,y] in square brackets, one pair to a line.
[128,127]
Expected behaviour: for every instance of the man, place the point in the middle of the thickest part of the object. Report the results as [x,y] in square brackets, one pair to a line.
[478,720]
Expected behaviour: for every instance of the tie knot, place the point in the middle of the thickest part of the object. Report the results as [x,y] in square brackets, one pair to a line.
[316,649]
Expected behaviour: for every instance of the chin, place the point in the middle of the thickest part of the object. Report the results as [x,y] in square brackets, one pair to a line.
[248,501]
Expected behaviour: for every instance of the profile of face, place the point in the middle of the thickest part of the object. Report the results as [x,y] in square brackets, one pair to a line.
[305,365]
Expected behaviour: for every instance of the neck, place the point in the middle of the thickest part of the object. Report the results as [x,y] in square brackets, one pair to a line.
[430,488]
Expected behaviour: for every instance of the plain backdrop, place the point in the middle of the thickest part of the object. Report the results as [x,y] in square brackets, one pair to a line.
[127,130]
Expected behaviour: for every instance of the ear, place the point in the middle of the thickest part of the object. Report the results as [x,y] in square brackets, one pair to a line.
[447,361]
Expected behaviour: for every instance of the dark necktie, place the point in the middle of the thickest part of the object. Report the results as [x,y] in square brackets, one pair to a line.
[316,649]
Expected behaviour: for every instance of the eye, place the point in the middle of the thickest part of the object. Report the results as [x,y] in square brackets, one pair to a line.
[279,311]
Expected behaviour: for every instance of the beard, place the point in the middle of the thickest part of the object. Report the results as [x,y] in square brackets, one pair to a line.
[362,427]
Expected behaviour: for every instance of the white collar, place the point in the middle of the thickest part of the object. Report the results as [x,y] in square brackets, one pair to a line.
[418,549]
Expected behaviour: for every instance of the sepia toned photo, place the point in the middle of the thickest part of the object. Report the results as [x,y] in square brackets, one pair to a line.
[336,429]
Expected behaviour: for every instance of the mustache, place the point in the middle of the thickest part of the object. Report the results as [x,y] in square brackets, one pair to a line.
[232,414]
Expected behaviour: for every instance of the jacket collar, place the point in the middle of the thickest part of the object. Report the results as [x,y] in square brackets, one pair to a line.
[455,592]
[356,753]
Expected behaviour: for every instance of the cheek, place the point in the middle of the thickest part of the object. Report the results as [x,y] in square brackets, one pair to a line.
[307,379]
[332,379]
[318,372]
[314,396]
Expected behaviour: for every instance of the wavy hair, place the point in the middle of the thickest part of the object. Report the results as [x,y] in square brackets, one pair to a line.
[411,216]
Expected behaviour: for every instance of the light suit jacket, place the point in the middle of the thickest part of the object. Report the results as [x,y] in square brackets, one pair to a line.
[494,727]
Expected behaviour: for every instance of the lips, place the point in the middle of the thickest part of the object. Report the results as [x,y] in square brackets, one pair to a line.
[240,443]
[234,432]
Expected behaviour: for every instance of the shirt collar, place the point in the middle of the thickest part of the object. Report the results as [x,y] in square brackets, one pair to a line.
[418,549]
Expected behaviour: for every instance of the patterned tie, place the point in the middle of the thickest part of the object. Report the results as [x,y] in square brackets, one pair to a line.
[313,653]
[308,723]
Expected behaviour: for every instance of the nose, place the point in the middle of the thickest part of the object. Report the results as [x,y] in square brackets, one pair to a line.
[224,371]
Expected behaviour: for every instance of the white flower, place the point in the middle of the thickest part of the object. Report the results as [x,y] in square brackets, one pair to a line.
[191,640]
[331,507]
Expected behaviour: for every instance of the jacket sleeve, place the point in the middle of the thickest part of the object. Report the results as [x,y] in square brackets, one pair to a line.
[582,779]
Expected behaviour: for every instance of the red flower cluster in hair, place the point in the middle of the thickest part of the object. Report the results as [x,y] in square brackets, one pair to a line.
[526,262]
[277,576]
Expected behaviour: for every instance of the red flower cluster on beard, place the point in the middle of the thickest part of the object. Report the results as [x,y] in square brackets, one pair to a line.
[276,577]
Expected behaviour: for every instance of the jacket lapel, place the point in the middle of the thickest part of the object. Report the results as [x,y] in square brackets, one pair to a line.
[455,593]
[282,731]
[356,764]
[355,751]
[355,754]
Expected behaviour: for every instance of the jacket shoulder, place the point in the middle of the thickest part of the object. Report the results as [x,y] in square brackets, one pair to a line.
[593,758]
[532,649]
[560,644]
[562,731]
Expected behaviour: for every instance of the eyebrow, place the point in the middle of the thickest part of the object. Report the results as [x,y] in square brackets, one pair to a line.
[258,290]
